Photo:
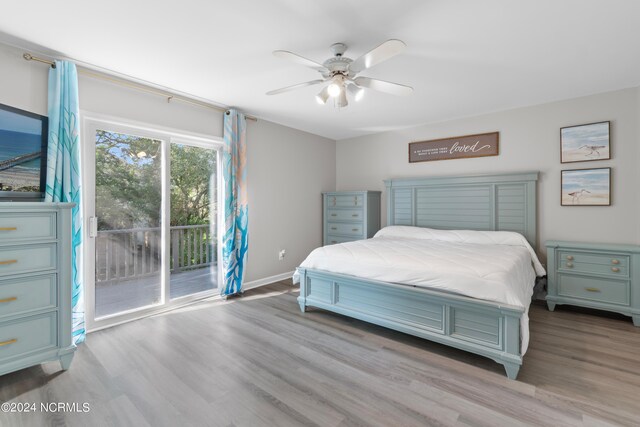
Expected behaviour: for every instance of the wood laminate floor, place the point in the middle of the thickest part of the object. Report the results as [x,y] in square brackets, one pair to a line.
[256,360]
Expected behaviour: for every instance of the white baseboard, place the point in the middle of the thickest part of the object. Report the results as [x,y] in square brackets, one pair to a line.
[267,280]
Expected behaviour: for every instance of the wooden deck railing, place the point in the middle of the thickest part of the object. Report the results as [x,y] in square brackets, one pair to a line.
[132,253]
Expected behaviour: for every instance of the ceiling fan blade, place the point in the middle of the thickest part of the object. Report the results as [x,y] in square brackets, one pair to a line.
[299,85]
[285,54]
[382,86]
[375,56]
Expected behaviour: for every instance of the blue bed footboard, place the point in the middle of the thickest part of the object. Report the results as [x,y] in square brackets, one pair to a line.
[482,327]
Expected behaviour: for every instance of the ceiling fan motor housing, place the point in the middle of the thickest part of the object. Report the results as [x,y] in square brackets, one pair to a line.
[338,64]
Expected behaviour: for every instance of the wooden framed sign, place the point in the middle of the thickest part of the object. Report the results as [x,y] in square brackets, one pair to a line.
[459,147]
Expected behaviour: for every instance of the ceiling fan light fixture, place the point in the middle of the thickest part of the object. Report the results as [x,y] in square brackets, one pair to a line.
[341,101]
[322,96]
[359,94]
[356,91]
[334,89]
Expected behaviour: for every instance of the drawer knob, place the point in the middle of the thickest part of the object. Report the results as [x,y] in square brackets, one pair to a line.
[355,200]
[569,265]
[334,228]
[9,261]
[615,269]
[592,289]
[615,261]
[8,228]
[8,299]
[334,201]
[333,241]
[11,341]
[570,257]
[334,214]
[355,215]
[354,229]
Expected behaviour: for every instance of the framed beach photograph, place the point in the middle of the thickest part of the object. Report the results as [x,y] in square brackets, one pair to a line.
[585,143]
[586,187]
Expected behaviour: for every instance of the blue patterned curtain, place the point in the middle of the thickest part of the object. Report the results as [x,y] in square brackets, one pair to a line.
[236,208]
[63,170]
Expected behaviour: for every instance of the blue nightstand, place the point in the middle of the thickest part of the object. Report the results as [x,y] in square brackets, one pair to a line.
[601,276]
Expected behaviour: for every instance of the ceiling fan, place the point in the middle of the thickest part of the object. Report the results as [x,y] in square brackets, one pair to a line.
[341,73]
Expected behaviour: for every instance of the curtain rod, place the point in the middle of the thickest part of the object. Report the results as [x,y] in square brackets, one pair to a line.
[170,97]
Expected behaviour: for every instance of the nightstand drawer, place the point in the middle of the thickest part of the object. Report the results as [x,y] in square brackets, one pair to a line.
[594,289]
[355,215]
[332,240]
[27,294]
[28,335]
[345,200]
[344,229]
[581,262]
[27,258]
[23,227]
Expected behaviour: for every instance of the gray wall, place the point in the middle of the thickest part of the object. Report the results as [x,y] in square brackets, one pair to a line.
[288,169]
[529,140]
[284,199]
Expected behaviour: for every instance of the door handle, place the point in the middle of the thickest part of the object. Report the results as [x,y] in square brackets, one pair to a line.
[93,227]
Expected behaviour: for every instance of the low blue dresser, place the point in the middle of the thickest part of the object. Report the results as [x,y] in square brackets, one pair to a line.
[35,284]
[350,215]
[601,276]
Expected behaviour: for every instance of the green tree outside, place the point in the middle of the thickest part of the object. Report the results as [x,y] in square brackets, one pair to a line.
[129,182]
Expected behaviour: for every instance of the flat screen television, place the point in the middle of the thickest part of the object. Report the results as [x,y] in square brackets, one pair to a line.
[23,154]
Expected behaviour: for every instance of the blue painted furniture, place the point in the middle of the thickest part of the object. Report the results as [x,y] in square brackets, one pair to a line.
[350,215]
[35,284]
[601,276]
[488,202]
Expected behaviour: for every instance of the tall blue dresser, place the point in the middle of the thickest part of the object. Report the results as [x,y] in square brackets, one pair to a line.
[35,284]
[350,215]
[596,275]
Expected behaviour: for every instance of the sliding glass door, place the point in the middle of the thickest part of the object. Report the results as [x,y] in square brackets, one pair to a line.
[151,200]
[128,211]
[193,211]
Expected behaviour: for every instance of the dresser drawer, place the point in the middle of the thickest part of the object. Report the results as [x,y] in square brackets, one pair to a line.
[345,229]
[345,200]
[27,294]
[594,289]
[355,215]
[332,240]
[581,262]
[27,226]
[31,334]
[27,258]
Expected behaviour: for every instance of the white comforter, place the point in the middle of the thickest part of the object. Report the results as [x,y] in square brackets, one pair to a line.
[495,266]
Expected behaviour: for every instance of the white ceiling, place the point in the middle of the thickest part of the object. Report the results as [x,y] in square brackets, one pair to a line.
[464,57]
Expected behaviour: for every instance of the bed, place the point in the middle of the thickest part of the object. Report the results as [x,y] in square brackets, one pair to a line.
[408,277]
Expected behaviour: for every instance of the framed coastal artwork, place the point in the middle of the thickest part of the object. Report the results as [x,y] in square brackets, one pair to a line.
[585,143]
[586,187]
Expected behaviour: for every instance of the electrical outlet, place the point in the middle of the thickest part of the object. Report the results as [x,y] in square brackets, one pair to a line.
[281,254]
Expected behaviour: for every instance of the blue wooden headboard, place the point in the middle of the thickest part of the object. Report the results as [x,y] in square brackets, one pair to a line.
[504,202]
